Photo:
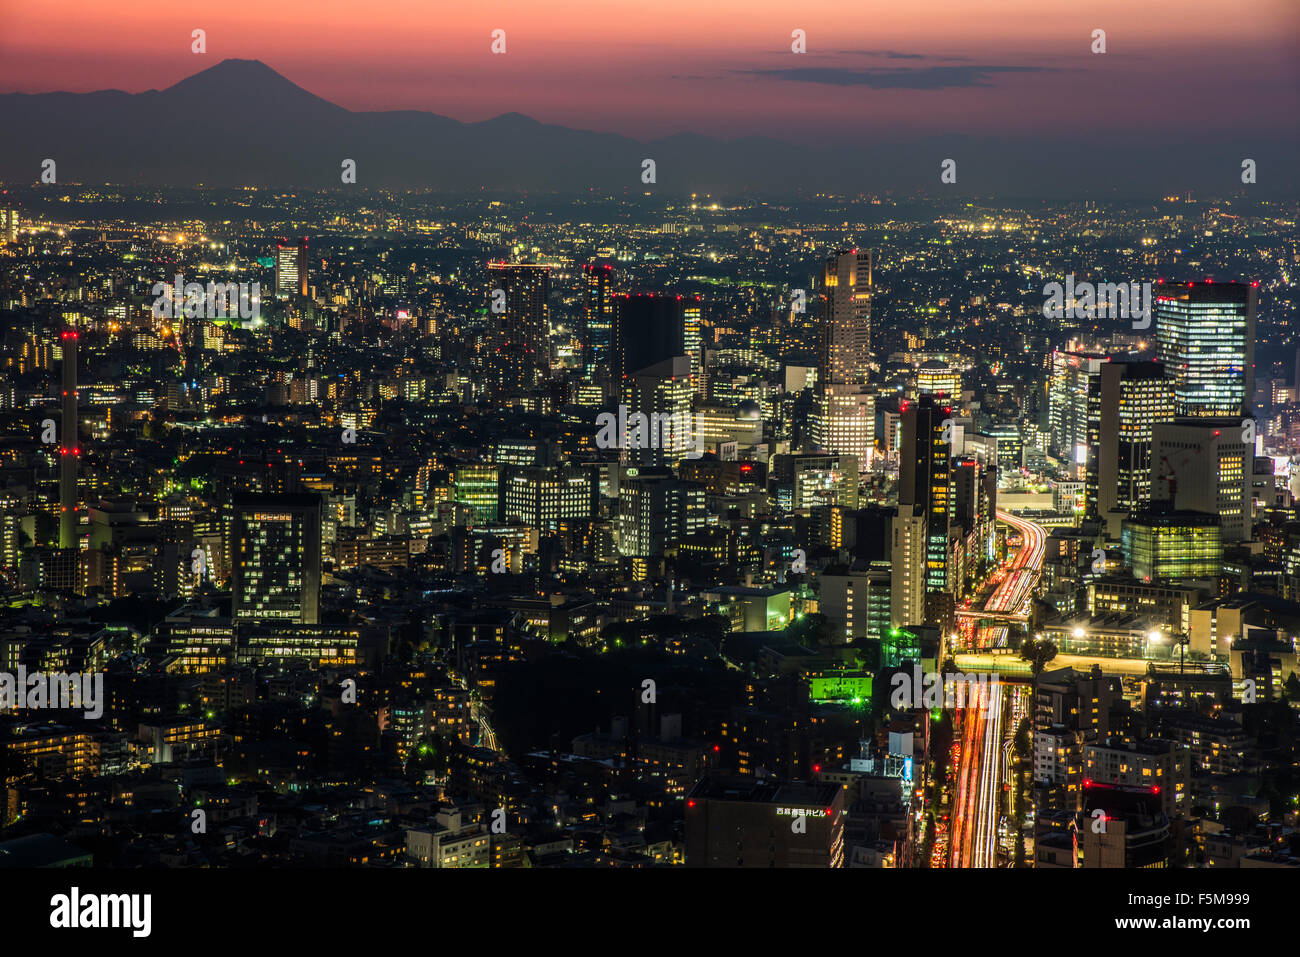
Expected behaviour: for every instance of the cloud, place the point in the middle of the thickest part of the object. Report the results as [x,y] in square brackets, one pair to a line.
[896,55]
[922,78]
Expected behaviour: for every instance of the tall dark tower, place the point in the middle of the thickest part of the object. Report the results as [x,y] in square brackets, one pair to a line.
[923,484]
[69,444]
[597,317]
[519,347]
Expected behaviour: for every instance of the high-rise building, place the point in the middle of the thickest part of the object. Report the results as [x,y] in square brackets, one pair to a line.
[519,350]
[1072,381]
[1161,544]
[276,543]
[923,483]
[649,329]
[8,225]
[291,268]
[597,317]
[1134,398]
[750,823]
[845,416]
[69,444]
[658,397]
[1206,336]
[938,379]
[655,510]
[857,602]
[846,318]
[907,537]
[845,421]
[1205,465]
[542,496]
[475,485]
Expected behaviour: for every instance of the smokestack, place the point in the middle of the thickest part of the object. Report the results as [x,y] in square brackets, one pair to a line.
[70,447]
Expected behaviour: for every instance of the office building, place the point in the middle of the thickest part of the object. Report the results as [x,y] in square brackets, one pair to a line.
[1160,544]
[1205,465]
[660,427]
[597,317]
[518,341]
[542,497]
[743,822]
[291,268]
[1206,338]
[923,483]
[649,329]
[475,485]
[844,417]
[276,544]
[655,510]
[1134,398]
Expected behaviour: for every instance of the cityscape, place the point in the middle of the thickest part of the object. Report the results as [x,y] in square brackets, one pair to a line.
[389,528]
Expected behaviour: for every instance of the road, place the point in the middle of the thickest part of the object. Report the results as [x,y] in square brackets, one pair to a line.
[982,758]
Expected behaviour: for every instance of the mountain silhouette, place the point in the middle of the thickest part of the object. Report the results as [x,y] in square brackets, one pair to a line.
[240,123]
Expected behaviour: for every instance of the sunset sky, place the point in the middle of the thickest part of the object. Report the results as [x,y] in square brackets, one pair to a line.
[646,69]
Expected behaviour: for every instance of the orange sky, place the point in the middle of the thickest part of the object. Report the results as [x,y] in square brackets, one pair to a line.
[663,66]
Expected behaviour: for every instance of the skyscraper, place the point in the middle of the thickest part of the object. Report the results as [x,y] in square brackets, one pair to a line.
[923,484]
[845,416]
[276,543]
[597,317]
[662,394]
[1206,336]
[1205,465]
[8,225]
[649,329]
[291,268]
[519,326]
[846,318]
[1134,398]
[69,443]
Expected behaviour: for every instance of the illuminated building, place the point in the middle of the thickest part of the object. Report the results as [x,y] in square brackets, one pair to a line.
[519,351]
[857,603]
[1134,398]
[1205,465]
[819,480]
[1206,336]
[8,225]
[277,557]
[69,444]
[938,379]
[542,497]
[908,539]
[650,329]
[846,318]
[656,509]
[1071,383]
[845,415]
[1164,544]
[291,268]
[476,486]
[747,823]
[923,484]
[598,317]
[660,426]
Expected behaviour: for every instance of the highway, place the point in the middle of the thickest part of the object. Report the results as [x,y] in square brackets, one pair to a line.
[981,741]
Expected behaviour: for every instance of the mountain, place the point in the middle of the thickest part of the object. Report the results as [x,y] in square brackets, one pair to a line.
[240,123]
